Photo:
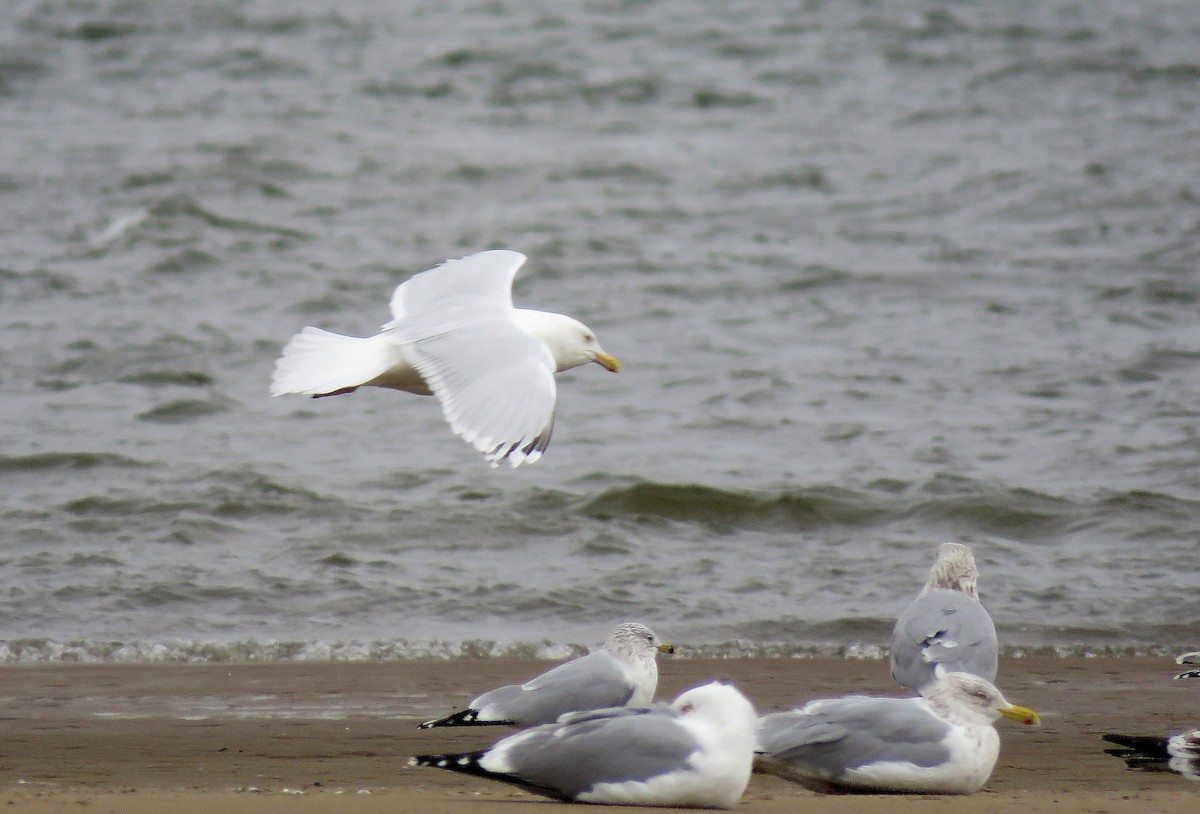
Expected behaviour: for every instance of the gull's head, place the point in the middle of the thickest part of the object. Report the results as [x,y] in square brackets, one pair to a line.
[955,570]
[633,639]
[570,341]
[724,707]
[725,727]
[967,694]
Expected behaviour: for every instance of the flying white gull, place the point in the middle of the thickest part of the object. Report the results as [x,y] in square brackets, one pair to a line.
[456,335]
[945,629]
[698,752]
[623,673]
[942,743]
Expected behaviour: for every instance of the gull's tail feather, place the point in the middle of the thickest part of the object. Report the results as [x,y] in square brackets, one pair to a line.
[320,363]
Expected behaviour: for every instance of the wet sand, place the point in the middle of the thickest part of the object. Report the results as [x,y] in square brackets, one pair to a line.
[335,737]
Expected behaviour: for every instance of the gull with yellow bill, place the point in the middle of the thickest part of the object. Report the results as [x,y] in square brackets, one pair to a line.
[455,334]
[941,743]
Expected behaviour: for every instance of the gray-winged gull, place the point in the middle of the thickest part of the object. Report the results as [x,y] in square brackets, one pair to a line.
[456,335]
[945,629]
[942,743]
[697,752]
[623,672]
[1188,658]
[1179,753]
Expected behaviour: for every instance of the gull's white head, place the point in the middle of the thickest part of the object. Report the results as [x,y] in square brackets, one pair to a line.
[571,343]
[721,704]
[964,694]
[954,569]
[725,725]
[633,640]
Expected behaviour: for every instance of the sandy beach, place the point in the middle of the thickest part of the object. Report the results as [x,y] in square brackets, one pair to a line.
[336,736]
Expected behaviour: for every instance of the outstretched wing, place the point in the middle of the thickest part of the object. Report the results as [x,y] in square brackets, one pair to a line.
[496,386]
[478,283]
[495,382]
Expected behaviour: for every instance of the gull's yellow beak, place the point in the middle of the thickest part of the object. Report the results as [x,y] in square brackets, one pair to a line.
[607,362]
[1022,714]
[662,647]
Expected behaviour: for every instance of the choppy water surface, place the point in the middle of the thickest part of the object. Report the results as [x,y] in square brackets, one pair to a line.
[881,275]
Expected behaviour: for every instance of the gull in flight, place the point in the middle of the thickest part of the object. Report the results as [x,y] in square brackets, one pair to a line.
[455,334]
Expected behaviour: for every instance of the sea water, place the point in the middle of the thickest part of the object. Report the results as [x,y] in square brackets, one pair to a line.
[880,275]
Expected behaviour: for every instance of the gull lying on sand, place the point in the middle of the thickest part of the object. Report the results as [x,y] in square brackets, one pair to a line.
[623,673]
[945,629]
[942,743]
[1188,658]
[1154,753]
[698,752]
[1178,753]
[456,335]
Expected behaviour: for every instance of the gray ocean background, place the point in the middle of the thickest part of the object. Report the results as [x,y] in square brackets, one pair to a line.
[881,275]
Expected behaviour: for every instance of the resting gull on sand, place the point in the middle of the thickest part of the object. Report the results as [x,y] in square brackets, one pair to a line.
[1179,753]
[1189,658]
[942,743]
[456,335]
[622,673]
[697,752]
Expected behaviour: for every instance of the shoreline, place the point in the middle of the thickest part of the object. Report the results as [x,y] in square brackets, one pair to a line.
[337,736]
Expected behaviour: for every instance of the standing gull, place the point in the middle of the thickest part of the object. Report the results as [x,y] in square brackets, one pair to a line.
[456,335]
[942,743]
[622,673]
[697,752]
[945,629]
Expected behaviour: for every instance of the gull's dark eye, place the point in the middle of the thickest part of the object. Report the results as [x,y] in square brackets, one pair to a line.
[588,337]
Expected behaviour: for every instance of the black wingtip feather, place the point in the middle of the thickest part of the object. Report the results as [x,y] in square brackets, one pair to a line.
[1144,745]
[543,440]
[468,763]
[464,763]
[465,717]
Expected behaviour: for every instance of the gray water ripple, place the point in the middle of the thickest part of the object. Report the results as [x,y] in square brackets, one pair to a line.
[879,276]
[964,505]
[72,461]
